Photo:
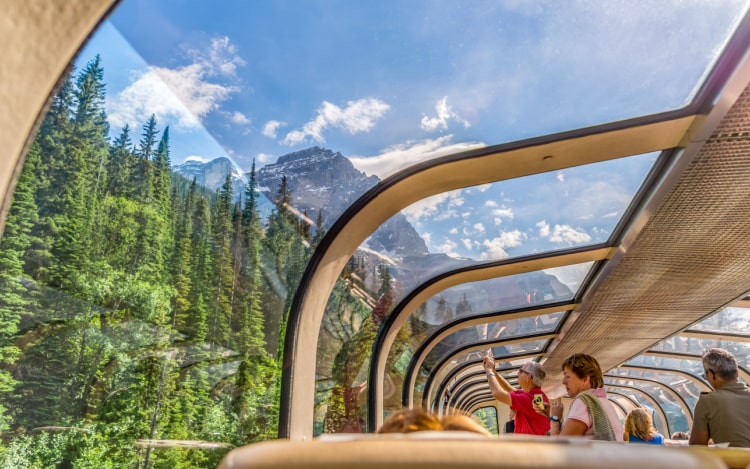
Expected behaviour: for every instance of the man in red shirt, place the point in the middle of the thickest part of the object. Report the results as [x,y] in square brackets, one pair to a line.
[530,379]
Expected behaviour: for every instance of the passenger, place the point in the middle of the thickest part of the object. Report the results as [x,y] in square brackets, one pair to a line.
[639,428]
[530,379]
[414,419]
[724,414]
[462,423]
[590,414]
[680,436]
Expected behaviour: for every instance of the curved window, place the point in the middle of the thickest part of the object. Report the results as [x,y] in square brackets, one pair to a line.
[685,387]
[197,155]
[729,320]
[475,356]
[499,330]
[667,404]
[698,345]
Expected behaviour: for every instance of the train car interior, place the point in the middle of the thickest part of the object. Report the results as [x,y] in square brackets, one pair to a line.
[242,234]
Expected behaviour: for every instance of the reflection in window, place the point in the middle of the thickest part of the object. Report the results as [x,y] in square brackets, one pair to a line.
[495,331]
[731,320]
[137,305]
[682,385]
[694,367]
[698,345]
[671,408]
[508,352]
[487,416]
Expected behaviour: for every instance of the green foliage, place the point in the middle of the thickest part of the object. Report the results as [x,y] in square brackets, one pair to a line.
[133,304]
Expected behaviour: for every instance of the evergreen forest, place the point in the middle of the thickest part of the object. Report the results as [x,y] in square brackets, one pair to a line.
[142,316]
[135,313]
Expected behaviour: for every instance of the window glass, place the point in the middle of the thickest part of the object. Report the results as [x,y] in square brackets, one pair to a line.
[193,161]
[687,388]
[522,348]
[698,345]
[497,330]
[731,320]
[693,367]
[668,404]
[487,416]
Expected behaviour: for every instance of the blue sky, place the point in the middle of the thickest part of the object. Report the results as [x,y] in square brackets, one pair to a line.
[391,83]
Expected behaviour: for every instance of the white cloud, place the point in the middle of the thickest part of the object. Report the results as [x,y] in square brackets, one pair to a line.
[201,159]
[483,187]
[543,228]
[560,176]
[479,227]
[468,243]
[404,155]
[497,221]
[453,231]
[264,158]
[190,86]
[181,96]
[445,215]
[491,203]
[425,207]
[270,128]
[495,248]
[357,117]
[430,207]
[565,234]
[239,118]
[219,59]
[444,114]
[503,212]
[448,247]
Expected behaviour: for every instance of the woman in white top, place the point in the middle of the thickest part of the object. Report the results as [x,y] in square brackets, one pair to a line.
[591,414]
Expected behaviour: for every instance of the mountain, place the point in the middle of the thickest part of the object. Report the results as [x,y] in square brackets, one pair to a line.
[320,180]
[211,174]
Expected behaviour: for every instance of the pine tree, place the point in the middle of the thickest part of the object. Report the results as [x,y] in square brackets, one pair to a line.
[144,173]
[182,260]
[14,297]
[222,233]
[320,230]
[84,161]
[162,180]
[121,165]
[201,271]
[443,311]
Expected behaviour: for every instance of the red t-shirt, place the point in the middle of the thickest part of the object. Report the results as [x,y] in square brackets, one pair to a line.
[528,421]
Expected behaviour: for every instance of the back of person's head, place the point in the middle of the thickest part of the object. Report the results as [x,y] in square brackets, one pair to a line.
[462,423]
[585,365]
[414,419]
[680,436]
[720,362]
[639,423]
[537,373]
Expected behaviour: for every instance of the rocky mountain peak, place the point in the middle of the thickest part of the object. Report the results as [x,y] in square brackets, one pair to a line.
[322,180]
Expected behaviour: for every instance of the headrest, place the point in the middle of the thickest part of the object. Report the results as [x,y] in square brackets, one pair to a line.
[453,450]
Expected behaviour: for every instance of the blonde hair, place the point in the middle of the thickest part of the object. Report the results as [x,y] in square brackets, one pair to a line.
[417,419]
[638,423]
[409,420]
[462,423]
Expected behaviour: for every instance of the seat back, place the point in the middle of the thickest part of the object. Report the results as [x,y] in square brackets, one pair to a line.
[453,450]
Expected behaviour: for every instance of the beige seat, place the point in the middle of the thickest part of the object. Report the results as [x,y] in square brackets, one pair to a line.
[449,450]
[734,458]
